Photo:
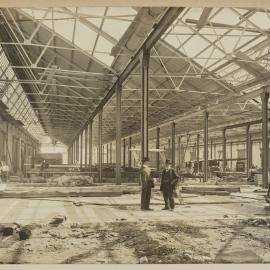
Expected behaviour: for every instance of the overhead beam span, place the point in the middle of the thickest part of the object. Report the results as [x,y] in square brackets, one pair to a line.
[226,26]
[221,104]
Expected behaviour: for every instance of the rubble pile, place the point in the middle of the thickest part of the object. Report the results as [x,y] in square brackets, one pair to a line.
[14,232]
[70,181]
[141,242]
[257,222]
[157,248]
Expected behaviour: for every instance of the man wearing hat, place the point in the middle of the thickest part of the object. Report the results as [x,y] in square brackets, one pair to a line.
[147,184]
[168,183]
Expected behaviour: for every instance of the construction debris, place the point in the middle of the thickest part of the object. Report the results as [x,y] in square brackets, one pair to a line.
[257,222]
[15,231]
[57,220]
[212,190]
[70,181]
[187,255]
[6,231]
[24,233]
[143,260]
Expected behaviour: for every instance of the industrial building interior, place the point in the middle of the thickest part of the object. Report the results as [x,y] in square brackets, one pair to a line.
[88,94]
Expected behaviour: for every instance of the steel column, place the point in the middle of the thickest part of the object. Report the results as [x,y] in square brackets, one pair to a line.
[211,149]
[72,147]
[107,154]
[70,150]
[144,105]
[69,153]
[198,151]
[223,149]
[124,153]
[129,152]
[71,160]
[118,134]
[265,147]
[90,135]
[81,148]
[169,148]
[74,150]
[179,153]
[231,153]
[103,154]
[173,145]
[110,153]
[247,149]
[78,150]
[206,114]
[250,152]
[158,147]
[85,146]
[100,152]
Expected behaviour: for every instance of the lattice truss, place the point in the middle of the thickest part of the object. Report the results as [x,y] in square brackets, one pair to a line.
[207,55]
[13,96]
[64,60]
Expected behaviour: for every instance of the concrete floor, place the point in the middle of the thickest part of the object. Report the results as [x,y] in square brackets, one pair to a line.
[209,227]
[104,209]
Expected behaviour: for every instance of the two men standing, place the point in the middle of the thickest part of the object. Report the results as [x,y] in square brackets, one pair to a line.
[169,180]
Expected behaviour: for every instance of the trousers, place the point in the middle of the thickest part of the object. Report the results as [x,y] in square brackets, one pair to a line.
[145,197]
[4,176]
[168,196]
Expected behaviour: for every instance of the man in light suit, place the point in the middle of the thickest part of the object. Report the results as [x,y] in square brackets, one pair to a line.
[147,184]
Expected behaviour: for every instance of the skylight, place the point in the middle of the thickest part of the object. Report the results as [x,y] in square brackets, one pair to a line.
[95,30]
[212,40]
[16,101]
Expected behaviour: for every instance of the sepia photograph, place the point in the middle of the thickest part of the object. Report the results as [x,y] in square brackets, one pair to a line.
[134,134]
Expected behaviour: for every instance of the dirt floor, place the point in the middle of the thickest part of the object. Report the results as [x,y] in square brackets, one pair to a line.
[141,242]
[206,229]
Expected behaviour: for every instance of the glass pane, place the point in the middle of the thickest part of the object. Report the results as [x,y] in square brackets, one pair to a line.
[84,37]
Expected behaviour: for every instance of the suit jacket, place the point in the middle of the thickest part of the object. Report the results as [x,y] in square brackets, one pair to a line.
[173,178]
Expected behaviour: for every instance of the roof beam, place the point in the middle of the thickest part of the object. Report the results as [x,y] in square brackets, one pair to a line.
[204,17]
[226,26]
[249,65]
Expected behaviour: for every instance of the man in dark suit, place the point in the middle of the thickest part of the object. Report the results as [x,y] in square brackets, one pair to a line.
[168,184]
[147,184]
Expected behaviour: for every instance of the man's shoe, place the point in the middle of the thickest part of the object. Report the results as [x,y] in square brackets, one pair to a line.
[165,208]
[171,209]
[149,209]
